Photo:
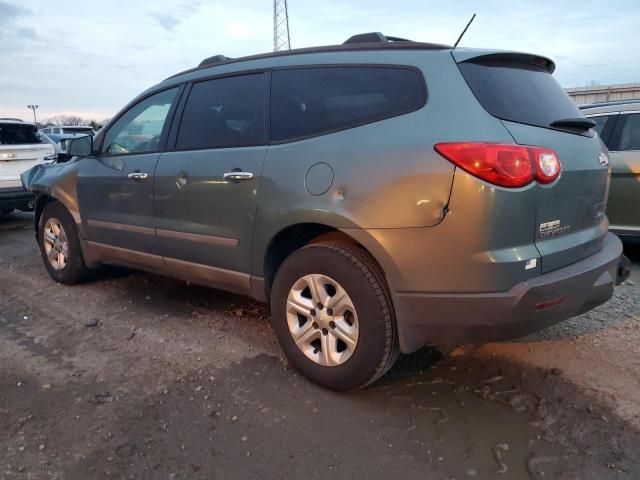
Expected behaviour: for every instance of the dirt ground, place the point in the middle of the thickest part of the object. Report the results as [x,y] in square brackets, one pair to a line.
[143,377]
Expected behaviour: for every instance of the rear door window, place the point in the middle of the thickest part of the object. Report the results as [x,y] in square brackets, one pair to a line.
[605,125]
[224,112]
[518,92]
[16,134]
[312,101]
[628,137]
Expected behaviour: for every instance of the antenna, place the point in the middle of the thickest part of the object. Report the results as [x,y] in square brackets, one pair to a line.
[281,39]
[464,31]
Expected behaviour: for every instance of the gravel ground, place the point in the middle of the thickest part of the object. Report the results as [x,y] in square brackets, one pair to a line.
[139,376]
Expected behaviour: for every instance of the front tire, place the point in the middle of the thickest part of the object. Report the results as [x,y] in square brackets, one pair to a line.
[333,315]
[60,245]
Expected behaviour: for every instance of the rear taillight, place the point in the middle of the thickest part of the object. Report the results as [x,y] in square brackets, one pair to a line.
[505,165]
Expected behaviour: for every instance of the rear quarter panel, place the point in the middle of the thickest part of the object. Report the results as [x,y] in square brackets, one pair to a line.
[386,174]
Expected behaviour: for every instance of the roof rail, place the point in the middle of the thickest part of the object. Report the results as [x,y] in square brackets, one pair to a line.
[213,60]
[373,37]
[608,103]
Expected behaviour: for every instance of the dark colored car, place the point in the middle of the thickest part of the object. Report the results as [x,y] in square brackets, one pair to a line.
[618,124]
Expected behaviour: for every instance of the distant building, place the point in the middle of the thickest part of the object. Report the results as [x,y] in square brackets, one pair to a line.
[604,93]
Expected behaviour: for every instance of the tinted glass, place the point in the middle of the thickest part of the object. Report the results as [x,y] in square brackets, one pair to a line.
[224,112]
[601,121]
[518,93]
[15,134]
[311,101]
[630,135]
[140,128]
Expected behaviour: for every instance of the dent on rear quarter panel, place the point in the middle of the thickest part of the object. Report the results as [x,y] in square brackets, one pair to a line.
[58,181]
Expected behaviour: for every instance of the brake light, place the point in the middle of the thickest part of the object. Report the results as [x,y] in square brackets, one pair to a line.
[505,165]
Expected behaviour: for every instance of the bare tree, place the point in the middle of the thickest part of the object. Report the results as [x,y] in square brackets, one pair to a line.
[71,120]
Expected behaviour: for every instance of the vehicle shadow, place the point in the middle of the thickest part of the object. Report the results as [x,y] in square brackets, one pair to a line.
[632,251]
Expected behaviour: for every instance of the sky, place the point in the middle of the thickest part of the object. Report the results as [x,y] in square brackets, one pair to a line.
[89,57]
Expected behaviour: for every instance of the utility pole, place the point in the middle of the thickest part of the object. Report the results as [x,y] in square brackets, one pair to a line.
[34,108]
[281,39]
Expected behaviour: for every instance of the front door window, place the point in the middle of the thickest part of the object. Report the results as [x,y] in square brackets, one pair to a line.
[140,129]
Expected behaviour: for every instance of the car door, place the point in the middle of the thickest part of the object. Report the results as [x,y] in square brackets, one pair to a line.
[206,189]
[115,187]
[624,196]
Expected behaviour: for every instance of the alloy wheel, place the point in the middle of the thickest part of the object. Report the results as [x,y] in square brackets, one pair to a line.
[56,245]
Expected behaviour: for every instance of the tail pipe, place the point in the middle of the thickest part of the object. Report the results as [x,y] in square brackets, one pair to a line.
[624,270]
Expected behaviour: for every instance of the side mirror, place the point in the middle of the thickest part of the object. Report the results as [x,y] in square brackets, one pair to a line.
[80,147]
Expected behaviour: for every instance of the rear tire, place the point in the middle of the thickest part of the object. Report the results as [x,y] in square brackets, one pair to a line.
[341,349]
[60,245]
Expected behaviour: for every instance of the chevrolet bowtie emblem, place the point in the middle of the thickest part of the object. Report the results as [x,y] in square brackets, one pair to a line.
[603,159]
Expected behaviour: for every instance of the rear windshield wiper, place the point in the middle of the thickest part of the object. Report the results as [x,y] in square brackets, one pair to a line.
[579,123]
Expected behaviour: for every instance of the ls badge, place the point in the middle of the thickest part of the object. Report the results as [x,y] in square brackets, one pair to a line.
[552,229]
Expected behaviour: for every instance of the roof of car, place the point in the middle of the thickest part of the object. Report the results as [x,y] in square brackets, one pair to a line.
[611,106]
[364,41]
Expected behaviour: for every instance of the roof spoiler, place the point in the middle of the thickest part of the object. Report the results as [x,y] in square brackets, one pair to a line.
[488,57]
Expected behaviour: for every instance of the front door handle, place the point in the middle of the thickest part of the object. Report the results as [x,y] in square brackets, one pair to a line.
[138,175]
[237,175]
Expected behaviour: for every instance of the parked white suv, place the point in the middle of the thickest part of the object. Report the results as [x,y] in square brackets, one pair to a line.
[21,147]
[69,130]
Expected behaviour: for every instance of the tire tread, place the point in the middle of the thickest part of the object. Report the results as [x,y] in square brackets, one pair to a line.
[361,260]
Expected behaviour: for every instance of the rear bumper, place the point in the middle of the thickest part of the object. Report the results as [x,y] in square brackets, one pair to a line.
[16,198]
[449,318]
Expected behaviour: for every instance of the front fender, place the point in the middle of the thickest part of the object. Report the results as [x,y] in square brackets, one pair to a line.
[58,181]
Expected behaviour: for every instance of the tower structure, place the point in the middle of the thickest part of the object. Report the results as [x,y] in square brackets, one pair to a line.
[281,39]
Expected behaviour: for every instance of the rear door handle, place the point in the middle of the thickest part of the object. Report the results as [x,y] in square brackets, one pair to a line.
[138,175]
[237,175]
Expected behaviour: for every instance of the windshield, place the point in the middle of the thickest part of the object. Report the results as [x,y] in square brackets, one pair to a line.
[15,134]
[518,92]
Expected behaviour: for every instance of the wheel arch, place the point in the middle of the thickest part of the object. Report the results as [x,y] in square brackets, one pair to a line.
[42,200]
[293,237]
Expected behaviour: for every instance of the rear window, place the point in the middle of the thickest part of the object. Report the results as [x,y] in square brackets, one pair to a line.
[311,101]
[518,92]
[12,134]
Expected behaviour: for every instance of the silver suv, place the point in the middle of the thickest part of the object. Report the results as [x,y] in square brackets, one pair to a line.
[378,195]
